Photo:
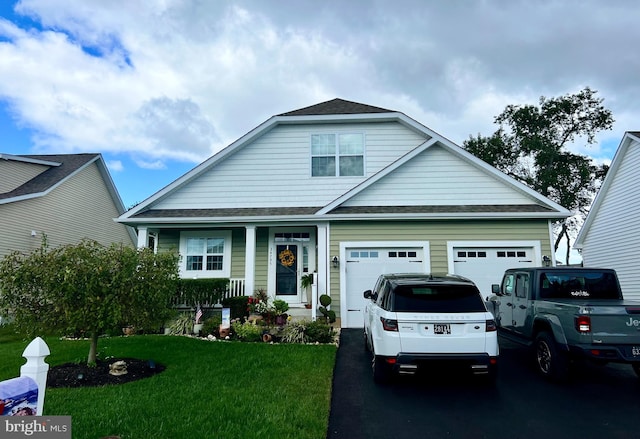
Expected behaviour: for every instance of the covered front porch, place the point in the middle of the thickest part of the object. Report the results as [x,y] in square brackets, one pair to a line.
[253,257]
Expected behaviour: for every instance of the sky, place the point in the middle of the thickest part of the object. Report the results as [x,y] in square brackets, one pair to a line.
[158,86]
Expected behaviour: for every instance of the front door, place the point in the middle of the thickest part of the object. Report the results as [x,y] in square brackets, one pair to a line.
[287,270]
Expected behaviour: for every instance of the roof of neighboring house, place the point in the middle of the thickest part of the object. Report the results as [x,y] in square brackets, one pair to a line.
[61,167]
[336,106]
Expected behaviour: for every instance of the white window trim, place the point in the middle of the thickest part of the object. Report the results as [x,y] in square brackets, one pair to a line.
[337,154]
[226,255]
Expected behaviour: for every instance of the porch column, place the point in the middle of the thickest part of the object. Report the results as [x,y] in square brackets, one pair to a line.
[142,236]
[250,260]
[323,268]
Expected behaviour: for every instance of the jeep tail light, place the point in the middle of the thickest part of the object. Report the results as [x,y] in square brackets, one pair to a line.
[389,324]
[583,324]
[491,326]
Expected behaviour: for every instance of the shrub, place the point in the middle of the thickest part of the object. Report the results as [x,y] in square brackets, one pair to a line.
[212,325]
[328,314]
[247,331]
[320,332]
[305,331]
[237,306]
[192,292]
[182,325]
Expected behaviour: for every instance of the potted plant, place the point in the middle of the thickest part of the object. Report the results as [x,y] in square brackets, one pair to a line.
[305,283]
[280,308]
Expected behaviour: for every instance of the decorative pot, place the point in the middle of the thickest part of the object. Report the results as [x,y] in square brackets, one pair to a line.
[197,328]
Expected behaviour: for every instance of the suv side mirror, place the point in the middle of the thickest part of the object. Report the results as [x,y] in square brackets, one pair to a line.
[495,289]
[368,294]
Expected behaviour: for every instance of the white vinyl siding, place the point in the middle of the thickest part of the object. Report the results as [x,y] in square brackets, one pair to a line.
[438,177]
[278,164]
[613,241]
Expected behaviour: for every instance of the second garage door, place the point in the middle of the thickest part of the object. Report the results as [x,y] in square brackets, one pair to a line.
[486,265]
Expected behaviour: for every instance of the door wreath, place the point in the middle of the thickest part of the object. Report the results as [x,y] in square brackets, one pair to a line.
[286,257]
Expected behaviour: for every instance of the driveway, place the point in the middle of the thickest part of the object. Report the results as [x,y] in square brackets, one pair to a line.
[597,402]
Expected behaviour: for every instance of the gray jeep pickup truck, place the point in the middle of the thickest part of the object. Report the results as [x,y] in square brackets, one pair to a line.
[566,313]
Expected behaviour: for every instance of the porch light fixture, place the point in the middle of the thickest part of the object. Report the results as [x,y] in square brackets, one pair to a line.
[546,260]
[335,262]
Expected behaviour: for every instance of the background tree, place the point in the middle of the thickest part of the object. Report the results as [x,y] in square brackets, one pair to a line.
[87,289]
[531,146]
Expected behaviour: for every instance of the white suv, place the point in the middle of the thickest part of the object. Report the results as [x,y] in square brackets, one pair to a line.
[415,320]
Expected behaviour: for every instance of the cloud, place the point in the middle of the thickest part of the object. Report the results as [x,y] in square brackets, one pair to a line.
[115,166]
[164,80]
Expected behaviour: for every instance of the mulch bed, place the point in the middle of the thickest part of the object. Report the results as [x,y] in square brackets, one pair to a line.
[82,375]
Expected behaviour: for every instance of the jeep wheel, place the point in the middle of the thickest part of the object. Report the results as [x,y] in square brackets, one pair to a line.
[551,363]
[381,370]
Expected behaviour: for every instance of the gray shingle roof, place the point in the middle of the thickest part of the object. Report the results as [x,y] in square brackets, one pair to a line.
[69,163]
[336,106]
[361,210]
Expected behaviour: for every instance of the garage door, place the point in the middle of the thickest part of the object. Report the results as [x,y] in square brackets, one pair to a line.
[364,265]
[486,265]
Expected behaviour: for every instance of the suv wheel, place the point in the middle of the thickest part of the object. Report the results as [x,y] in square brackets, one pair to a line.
[551,363]
[381,370]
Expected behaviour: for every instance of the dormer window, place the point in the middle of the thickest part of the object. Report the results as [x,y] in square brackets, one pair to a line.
[337,155]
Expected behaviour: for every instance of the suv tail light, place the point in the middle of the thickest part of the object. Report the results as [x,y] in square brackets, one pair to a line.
[583,324]
[491,326]
[389,324]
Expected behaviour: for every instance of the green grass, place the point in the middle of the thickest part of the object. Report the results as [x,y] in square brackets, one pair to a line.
[209,389]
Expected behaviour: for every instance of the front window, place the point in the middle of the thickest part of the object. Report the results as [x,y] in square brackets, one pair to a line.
[205,254]
[337,155]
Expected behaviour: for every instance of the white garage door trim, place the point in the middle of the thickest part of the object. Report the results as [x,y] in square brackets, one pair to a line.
[344,246]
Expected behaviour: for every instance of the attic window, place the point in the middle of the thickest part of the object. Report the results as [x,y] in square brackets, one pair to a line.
[337,155]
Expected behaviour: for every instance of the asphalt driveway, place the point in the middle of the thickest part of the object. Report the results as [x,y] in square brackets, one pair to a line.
[598,401]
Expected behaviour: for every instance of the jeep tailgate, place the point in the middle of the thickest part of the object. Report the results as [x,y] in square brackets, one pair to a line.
[443,333]
[616,323]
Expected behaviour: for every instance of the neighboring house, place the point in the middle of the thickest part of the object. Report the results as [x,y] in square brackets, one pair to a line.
[610,236]
[348,191]
[66,197]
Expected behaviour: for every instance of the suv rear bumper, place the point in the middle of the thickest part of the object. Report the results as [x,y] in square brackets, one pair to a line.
[478,364]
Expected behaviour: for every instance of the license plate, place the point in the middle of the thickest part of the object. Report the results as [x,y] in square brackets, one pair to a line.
[442,328]
[635,351]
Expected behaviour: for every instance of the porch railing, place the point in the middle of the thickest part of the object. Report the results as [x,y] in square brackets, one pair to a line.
[236,288]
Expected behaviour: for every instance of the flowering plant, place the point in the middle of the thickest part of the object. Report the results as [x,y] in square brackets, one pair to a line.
[259,303]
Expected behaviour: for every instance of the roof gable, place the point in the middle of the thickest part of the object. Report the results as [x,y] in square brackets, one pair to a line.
[344,114]
[630,140]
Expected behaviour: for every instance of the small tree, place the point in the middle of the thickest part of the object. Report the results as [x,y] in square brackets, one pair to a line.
[531,146]
[87,288]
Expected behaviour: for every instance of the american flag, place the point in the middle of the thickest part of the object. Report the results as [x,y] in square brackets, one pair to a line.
[198,314]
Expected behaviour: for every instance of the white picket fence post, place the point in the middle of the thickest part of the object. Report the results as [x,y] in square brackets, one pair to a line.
[36,369]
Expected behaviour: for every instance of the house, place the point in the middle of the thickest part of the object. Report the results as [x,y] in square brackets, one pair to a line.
[66,197]
[347,191]
[610,236]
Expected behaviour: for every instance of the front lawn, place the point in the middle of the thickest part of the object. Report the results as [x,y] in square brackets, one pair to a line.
[208,390]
